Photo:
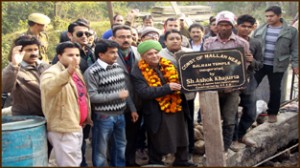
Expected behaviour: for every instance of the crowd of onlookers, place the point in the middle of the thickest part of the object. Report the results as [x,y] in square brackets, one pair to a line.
[123,88]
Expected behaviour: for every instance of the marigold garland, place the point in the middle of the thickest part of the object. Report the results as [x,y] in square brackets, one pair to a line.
[170,103]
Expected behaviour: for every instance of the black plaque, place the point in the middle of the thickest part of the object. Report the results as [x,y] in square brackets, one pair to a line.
[212,70]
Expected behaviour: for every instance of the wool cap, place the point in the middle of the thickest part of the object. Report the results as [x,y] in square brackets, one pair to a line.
[226,16]
[147,45]
[148,30]
[39,18]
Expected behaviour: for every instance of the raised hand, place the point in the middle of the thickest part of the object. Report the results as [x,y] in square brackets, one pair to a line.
[17,55]
[73,66]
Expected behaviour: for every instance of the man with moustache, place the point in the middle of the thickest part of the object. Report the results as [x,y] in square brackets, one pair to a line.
[229,98]
[21,77]
[196,33]
[66,105]
[128,57]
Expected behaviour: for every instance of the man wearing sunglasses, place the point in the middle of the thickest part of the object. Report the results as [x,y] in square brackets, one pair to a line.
[78,32]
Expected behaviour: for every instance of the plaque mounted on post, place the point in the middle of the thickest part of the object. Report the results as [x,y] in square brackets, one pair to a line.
[212,70]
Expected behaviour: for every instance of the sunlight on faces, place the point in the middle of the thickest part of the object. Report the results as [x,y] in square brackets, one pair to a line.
[67,57]
[173,42]
[151,57]
[31,54]
[123,38]
[148,22]
[110,56]
[119,19]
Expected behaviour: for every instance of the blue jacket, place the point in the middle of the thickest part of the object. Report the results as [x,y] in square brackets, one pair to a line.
[286,48]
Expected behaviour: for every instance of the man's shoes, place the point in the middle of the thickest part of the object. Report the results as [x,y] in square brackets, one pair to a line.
[184,164]
[236,146]
[248,142]
[261,118]
[272,118]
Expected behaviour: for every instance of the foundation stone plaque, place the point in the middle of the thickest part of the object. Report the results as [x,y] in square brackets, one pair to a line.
[212,70]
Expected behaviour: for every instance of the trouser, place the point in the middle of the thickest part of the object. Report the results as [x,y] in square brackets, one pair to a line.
[190,124]
[248,102]
[275,87]
[66,147]
[132,131]
[86,132]
[229,107]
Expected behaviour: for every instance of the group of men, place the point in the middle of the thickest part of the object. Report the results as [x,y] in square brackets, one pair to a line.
[129,91]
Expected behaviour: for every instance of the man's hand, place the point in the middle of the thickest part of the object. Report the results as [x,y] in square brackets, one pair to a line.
[249,57]
[73,66]
[134,116]
[88,121]
[175,86]
[17,55]
[123,94]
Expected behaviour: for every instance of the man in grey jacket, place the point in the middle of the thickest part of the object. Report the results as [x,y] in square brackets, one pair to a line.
[279,46]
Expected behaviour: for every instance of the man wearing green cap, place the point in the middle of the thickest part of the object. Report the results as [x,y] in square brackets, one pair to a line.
[37,23]
[164,107]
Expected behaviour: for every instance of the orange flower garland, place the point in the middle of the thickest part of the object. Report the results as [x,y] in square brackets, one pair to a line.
[171,102]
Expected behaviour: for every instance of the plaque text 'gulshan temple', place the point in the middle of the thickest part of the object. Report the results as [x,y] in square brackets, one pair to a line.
[212,70]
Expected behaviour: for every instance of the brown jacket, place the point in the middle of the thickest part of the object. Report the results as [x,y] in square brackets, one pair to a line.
[23,84]
[60,99]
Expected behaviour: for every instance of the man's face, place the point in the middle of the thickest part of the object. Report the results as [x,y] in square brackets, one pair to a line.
[151,57]
[148,22]
[244,29]
[110,56]
[196,34]
[213,27]
[80,35]
[31,54]
[67,57]
[119,19]
[135,35]
[173,42]
[151,36]
[123,38]
[272,18]
[39,27]
[224,29]
[172,25]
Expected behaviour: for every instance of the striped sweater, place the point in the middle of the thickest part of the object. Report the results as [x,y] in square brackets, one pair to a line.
[104,86]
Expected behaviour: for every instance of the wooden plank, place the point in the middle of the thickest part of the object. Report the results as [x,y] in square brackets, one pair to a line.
[211,119]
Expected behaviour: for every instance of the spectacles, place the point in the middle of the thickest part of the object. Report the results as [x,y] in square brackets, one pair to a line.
[80,34]
[154,35]
[124,37]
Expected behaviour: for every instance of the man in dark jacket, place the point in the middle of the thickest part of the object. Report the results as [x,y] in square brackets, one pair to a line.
[165,120]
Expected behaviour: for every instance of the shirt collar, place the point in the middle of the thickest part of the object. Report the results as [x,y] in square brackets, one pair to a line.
[25,64]
[104,65]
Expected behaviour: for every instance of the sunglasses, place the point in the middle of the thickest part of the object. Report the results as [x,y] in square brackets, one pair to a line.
[80,34]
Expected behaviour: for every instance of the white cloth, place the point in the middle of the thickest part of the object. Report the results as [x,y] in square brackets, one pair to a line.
[66,147]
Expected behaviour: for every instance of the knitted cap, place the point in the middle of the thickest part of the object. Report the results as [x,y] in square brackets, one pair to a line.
[39,18]
[148,30]
[147,45]
[225,16]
